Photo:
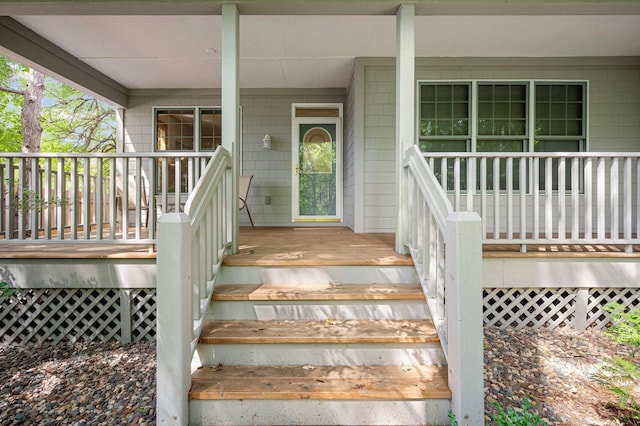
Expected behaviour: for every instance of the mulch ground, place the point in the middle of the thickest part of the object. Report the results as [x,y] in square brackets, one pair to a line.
[101,384]
[557,371]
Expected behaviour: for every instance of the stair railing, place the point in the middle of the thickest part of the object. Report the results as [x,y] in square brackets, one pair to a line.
[191,247]
[446,247]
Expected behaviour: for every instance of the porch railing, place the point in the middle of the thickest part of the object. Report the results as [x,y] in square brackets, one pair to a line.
[97,197]
[542,198]
[447,252]
[191,247]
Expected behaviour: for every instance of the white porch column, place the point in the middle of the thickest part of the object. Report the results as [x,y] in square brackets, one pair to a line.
[405,100]
[120,138]
[231,104]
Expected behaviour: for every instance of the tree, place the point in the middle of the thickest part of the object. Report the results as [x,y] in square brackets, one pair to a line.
[77,122]
[11,75]
[31,128]
[53,116]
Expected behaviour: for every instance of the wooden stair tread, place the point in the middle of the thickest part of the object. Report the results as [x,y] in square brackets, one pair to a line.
[380,382]
[257,292]
[351,331]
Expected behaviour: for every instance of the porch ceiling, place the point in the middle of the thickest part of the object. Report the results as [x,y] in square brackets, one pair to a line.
[315,51]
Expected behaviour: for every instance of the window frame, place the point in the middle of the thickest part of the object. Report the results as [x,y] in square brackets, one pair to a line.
[197,126]
[528,139]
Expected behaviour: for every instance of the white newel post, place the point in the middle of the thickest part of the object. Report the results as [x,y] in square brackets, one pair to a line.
[174,321]
[463,294]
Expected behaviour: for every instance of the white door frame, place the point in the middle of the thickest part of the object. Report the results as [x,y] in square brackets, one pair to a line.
[295,158]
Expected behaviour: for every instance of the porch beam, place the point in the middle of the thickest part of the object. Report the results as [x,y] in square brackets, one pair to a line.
[39,53]
[405,99]
[317,7]
[231,106]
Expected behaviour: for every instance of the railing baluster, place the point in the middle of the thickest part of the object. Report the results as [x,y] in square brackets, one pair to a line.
[456,183]
[195,275]
[86,198]
[33,197]
[483,195]
[575,198]
[165,184]
[496,198]
[628,202]
[614,190]
[562,205]
[523,199]
[20,199]
[535,194]
[124,200]
[61,194]
[73,196]
[48,209]
[588,198]
[471,181]
[637,199]
[548,199]
[443,173]
[113,200]
[9,205]
[178,182]
[151,199]
[98,197]
[601,204]
[139,183]
[509,206]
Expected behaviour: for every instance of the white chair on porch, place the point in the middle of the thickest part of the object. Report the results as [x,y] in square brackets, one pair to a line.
[243,191]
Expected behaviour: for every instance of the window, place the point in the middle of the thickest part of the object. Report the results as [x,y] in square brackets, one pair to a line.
[188,129]
[444,117]
[185,129]
[526,116]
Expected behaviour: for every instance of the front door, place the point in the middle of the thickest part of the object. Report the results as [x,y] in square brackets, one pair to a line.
[317,169]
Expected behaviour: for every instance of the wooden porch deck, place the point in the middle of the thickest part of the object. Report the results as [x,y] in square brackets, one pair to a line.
[291,246]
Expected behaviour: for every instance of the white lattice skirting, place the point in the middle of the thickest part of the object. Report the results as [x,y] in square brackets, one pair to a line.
[553,307]
[55,315]
[129,315]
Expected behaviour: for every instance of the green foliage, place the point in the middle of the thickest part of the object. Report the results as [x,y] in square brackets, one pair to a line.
[620,375]
[29,200]
[70,119]
[12,76]
[626,324]
[513,418]
[73,121]
[510,417]
[5,291]
[452,418]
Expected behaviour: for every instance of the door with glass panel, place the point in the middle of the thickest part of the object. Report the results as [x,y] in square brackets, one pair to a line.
[317,169]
